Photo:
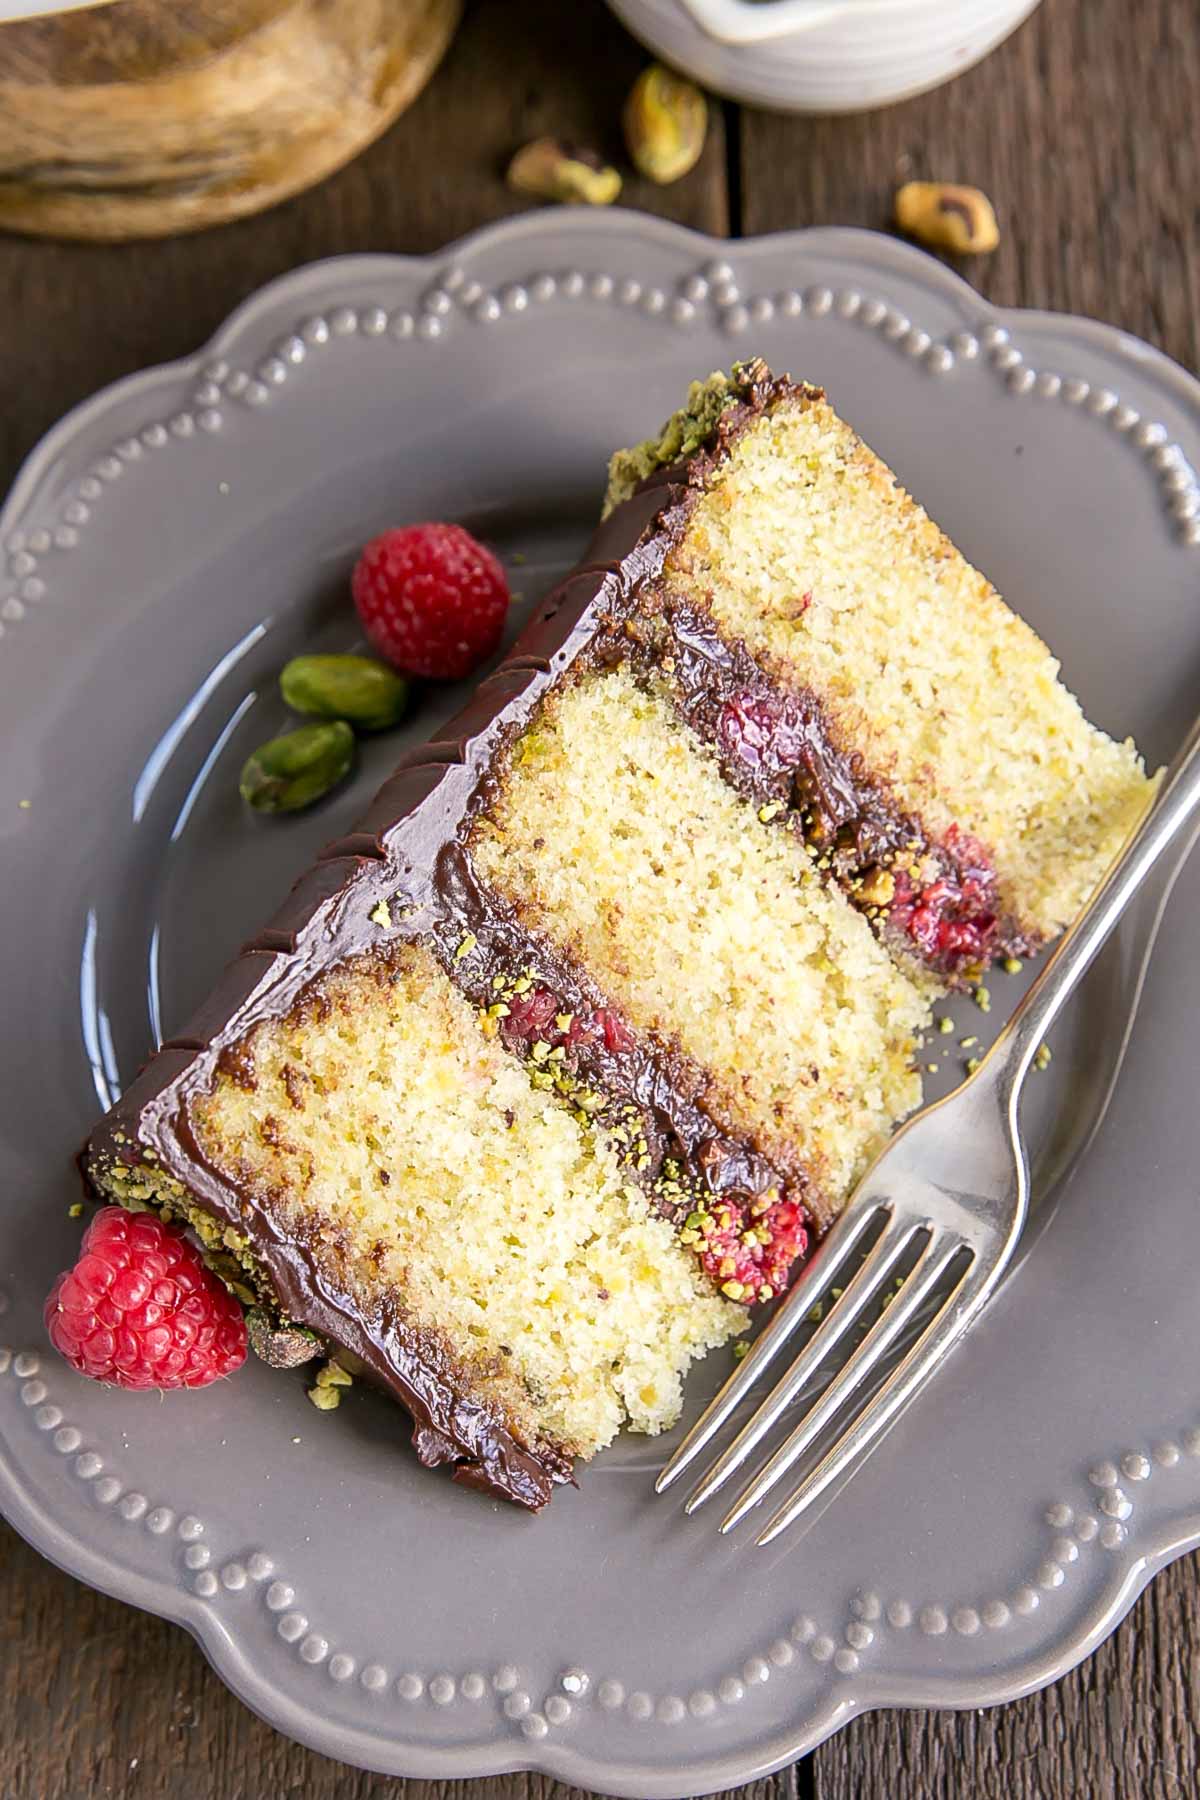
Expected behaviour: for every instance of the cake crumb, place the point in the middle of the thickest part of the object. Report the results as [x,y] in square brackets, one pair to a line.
[24,805]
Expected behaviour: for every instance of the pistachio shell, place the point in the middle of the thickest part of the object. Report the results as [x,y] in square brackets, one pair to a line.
[553,170]
[293,771]
[666,121]
[947,216]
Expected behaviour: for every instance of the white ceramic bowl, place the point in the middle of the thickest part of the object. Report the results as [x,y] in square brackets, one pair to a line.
[821,55]
[36,9]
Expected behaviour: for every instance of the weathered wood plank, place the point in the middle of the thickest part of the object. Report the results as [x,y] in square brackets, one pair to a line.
[1082,132]
[77,316]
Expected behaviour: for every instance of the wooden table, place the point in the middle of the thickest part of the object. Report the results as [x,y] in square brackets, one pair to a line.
[1082,128]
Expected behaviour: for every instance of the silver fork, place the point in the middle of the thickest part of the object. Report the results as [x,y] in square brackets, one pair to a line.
[938,1215]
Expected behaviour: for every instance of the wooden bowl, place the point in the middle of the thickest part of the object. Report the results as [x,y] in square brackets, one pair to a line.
[143,118]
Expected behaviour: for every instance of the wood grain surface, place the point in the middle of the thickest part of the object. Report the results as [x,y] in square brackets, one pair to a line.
[1082,128]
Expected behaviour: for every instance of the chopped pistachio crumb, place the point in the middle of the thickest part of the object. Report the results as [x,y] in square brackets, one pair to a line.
[334,1376]
[739,1351]
[24,805]
[817,1313]
[519,558]
[466,947]
[972,1064]
[892,1292]
[931,1068]
[381,914]
[983,999]
[1012,965]
[945,1024]
[324,1398]
[1042,1059]
[733,1289]
[76,1211]
[967,1043]
[770,811]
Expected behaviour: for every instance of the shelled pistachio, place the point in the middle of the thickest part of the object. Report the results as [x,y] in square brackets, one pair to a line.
[360,689]
[299,768]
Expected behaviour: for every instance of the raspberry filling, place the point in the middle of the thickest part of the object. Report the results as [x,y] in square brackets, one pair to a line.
[538,1016]
[748,1246]
[764,731]
[747,1243]
[952,918]
[948,911]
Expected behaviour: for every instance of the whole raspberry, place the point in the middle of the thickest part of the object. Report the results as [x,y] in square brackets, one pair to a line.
[140,1310]
[431,599]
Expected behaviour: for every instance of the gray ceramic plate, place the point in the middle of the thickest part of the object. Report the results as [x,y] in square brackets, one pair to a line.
[164,551]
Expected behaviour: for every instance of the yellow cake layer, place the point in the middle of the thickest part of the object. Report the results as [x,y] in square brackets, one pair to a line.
[426,1170]
[805,547]
[615,837]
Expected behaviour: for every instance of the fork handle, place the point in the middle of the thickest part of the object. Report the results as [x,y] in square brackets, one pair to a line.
[1176,806]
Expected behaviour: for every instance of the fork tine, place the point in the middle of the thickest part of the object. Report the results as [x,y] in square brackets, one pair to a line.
[879,1263]
[938,1337]
[844,1238]
[929,1269]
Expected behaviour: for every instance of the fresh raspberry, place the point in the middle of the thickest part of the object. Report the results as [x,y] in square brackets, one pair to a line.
[431,599]
[140,1310]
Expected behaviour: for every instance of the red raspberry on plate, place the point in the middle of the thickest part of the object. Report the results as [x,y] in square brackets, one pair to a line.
[431,599]
[140,1310]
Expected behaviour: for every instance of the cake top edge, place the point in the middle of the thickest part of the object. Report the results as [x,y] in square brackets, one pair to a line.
[715,407]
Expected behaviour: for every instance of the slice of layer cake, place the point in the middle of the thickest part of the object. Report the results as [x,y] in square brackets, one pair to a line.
[557,1064]
[852,666]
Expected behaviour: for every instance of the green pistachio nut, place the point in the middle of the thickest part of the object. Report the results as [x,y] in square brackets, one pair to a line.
[293,771]
[552,170]
[357,688]
[666,120]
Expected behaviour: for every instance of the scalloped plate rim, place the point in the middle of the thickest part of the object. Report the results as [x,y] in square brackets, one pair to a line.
[869,1690]
[874,248]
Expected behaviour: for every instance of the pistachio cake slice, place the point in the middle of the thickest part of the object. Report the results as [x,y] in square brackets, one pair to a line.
[852,667]
[558,1063]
